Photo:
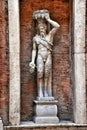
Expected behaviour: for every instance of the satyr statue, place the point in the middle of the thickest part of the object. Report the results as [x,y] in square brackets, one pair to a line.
[42,52]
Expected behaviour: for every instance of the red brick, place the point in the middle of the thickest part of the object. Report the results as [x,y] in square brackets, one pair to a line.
[3,63]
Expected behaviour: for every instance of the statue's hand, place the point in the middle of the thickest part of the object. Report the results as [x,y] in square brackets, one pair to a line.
[47,17]
[32,67]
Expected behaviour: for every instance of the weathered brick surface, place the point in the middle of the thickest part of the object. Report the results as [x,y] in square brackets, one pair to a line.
[59,10]
[3,62]
[49,128]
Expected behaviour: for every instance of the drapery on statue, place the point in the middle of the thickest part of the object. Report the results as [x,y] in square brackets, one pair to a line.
[42,50]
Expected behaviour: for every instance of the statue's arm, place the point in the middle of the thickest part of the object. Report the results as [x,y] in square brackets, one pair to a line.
[54,24]
[32,63]
[34,51]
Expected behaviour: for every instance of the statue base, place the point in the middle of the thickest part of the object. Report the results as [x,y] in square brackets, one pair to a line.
[45,98]
[46,111]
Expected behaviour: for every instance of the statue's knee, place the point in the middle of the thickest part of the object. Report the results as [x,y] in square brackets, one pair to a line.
[47,73]
[40,74]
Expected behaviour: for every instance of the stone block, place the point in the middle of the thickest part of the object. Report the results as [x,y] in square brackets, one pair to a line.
[45,112]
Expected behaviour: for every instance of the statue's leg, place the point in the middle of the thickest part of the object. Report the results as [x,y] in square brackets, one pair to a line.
[40,66]
[50,84]
[45,87]
[48,77]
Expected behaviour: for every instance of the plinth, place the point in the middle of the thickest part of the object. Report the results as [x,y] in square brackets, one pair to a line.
[46,111]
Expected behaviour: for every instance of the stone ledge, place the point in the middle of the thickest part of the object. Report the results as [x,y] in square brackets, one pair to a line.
[48,128]
[30,124]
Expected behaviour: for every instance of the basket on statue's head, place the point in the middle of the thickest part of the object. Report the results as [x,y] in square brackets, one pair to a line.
[40,14]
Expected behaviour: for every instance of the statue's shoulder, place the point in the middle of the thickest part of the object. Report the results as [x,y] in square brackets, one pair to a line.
[35,38]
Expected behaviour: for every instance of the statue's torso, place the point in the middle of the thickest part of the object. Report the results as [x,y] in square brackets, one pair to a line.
[43,46]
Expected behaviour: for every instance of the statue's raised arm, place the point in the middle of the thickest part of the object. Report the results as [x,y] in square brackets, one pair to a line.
[53,23]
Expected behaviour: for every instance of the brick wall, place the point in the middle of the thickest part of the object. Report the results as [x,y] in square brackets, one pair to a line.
[60,12]
[3,62]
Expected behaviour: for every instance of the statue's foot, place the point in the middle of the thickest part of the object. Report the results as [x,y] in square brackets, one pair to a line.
[45,94]
[40,92]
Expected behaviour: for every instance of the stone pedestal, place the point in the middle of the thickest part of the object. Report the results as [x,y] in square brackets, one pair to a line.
[45,111]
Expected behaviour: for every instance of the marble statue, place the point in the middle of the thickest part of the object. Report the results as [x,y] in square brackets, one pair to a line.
[42,52]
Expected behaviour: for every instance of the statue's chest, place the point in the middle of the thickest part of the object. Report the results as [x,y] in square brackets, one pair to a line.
[42,41]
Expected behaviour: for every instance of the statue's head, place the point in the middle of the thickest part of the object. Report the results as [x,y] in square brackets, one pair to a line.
[41,25]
